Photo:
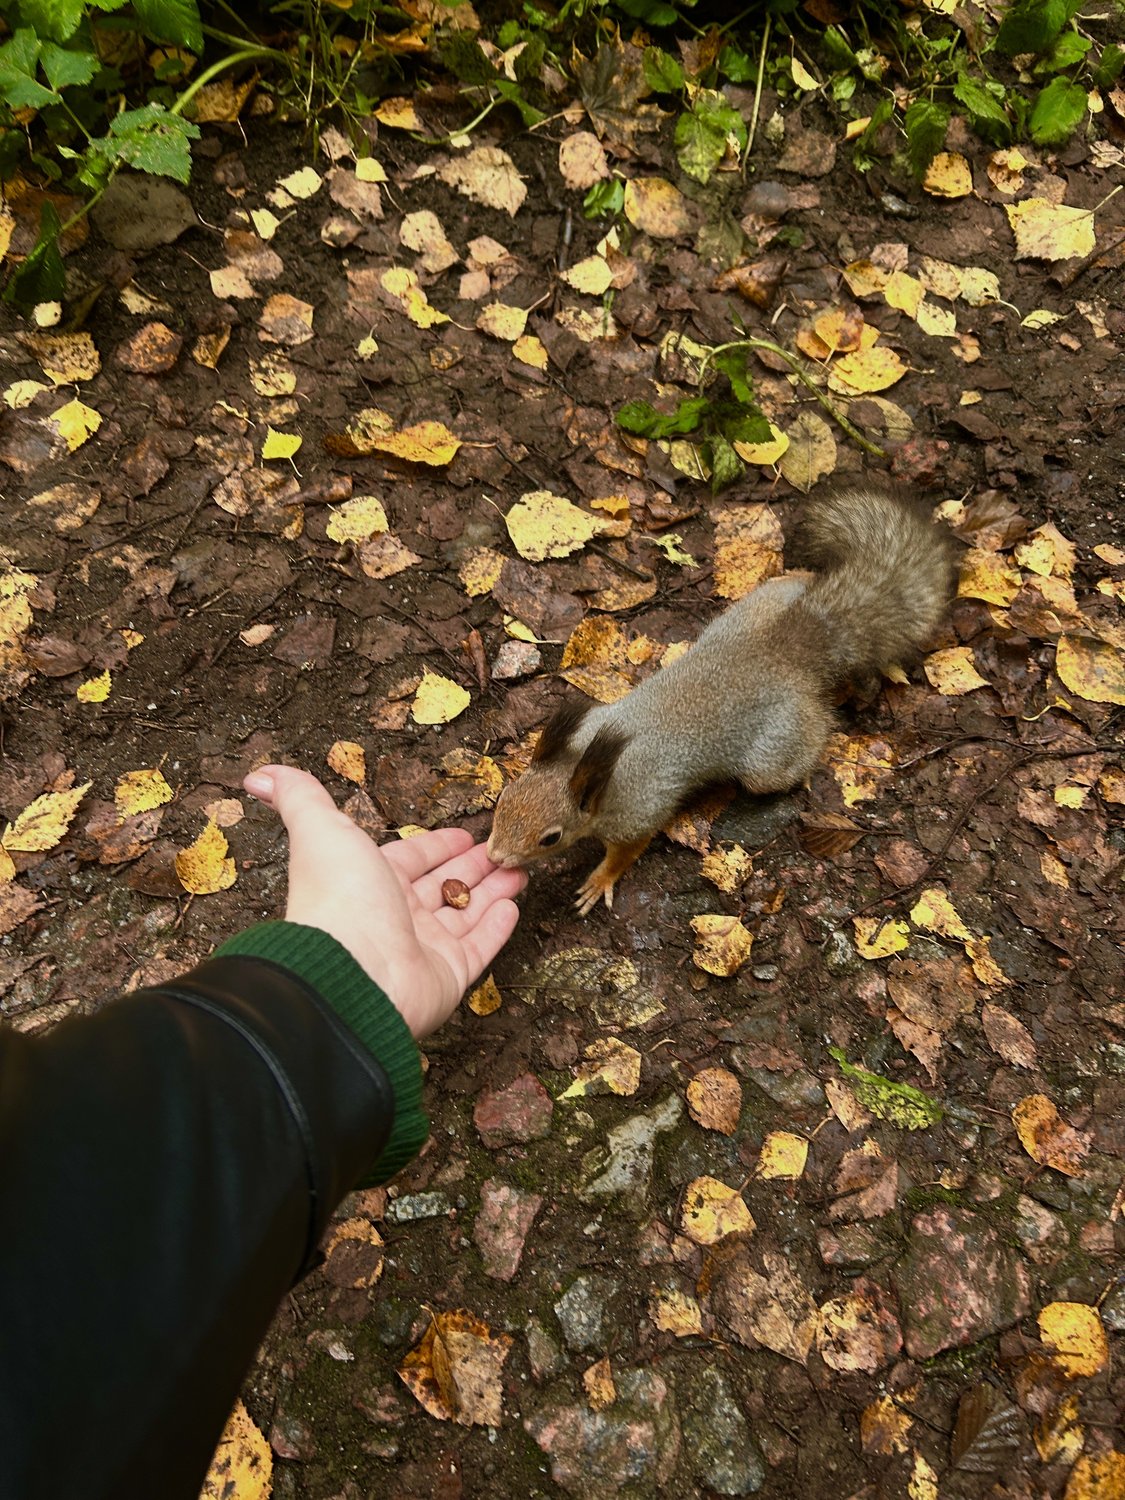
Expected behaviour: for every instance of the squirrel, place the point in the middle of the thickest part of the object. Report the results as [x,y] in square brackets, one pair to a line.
[752,701]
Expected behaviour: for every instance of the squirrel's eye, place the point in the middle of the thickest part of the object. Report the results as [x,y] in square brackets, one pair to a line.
[550,838]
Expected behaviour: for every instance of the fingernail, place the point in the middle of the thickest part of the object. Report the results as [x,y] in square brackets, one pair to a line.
[258,784]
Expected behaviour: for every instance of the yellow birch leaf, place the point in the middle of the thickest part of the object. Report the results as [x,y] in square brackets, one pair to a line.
[592,276]
[543,525]
[75,423]
[479,569]
[1047,1138]
[1059,1436]
[1075,1332]
[938,322]
[399,114]
[712,1210]
[7,866]
[265,223]
[783,1155]
[810,452]
[357,519]
[530,350]
[860,764]
[979,288]
[1050,231]
[764,453]
[203,868]
[485,998]
[923,1483]
[883,1427]
[934,912]
[1092,669]
[598,1384]
[610,1064]
[1041,317]
[1047,553]
[865,278]
[867,370]
[1071,796]
[1111,785]
[729,869]
[208,348]
[367,169]
[722,944]
[1097,1477]
[876,938]
[520,632]
[402,284]
[714,1098]
[502,321]
[65,358]
[424,443]
[94,689]
[904,292]
[657,208]
[985,967]
[22,393]
[301,184]
[242,1468]
[347,759]
[669,544]
[948,176]
[988,576]
[801,75]
[438,699]
[953,671]
[280,444]
[44,822]
[676,1312]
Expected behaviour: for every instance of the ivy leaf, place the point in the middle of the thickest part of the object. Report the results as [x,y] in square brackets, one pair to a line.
[19,58]
[172,21]
[1059,108]
[726,466]
[65,66]
[42,277]
[644,420]
[926,124]
[664,73]
[55,20]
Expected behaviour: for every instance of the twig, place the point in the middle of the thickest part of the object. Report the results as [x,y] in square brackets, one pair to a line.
[757,90]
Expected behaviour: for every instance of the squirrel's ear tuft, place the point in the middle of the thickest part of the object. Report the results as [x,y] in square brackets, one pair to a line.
[590,776]
[559,729]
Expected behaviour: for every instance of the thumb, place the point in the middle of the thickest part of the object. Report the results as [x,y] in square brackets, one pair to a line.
[299,799]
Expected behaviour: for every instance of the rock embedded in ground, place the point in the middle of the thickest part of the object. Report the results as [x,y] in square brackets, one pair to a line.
[957,1283]
[633,1445]
[584,1313]
[624,1166]
[412,1206]
[720,1447]
[520,1112]
[506,1215]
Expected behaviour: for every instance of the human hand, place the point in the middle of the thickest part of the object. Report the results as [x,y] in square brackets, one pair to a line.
[384,903]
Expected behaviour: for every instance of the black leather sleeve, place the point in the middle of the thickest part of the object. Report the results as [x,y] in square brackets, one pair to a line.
[167,1167]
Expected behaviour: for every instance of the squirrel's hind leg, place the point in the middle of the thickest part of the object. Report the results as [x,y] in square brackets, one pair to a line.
[600,882]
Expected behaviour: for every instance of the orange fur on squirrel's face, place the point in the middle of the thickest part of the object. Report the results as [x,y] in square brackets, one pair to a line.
[535,816]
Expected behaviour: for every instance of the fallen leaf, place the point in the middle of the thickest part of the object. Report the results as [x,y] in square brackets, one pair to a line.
[748,548]
[75,423]
[657,208]
[883,1427]
[810,453]
[1075,1332]
[598,1384]
[1008,1037]
[948,176]
[455,1371]
[722,944]
[1097,1477]
[712,1210]
[501,321]
[479,569]
[203,868]
[856,1332]
[65,358]
[902,1105]
[727,868]
[860,764]
[357,519]
[1047,1138]
[438,699]
[94,689]
[783,1155]
[1092,669]
[44,822]
[714,1098]
[347,759]
[1050,231]
[953,671]
[242,1466]
[676,1312]
[611,1064]
[876,937]
[139,791]
[543,525]
[871,369]
[485,998]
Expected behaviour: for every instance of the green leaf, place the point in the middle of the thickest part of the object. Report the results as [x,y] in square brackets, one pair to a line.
[1060,107]
[65,66]
[736,66]
[712,107]
[1108,70]
[980,105]
[514,95]
[55,20]
[664,73]
[651,12]
[726,466]
[900,1104]
[699,146]
[926,124]
[750,426]
[604,199]
[41,278]
[151,139]
[839,53]
[172,21]
[644,420]
[1067,52]
[1033,25]
[19,59]
[732,363]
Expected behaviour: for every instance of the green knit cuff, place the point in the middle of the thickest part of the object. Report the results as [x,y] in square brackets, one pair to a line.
[326,965]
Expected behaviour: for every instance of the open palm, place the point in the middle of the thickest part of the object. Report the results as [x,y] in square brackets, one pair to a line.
[385,904]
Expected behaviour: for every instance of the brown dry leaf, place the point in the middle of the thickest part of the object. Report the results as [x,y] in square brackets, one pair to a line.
[138,791]
[883,1427]
[827,834]
[582,161]
[422,232]
[774,1309]
[873,369]
[488,176]
[811,453]
[855,1332]
[676,1312]
[655,207]
[783,1155]
[845,1106]
[65,358]
[470,784]
[17,903]
[748,548]
[985,967]
[286,320]
[692,827]
[1050,231]
[203,868]
[1111,785]
[1047,1138]
[722,944]
[44,822]
[948,176]
[152,350]
[349,760]
[242,1468]
[1092,669]
[611,1066]
[866,1185]
[485,998]
[354,1255]
[598,1384]
[712,1210]
[714,1098]
[1046,551]
[595,659]
[208,348]
[953,671]
[1076,1333]
[860,764]
[729,869]
[1008,1037]
[384,556]
[455,1371]
[879,937]
[543,525]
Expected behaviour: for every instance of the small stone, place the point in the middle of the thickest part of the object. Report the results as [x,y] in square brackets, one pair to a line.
[767,973]
[516,659]
[793,1091]
[543,1352]
[583,1313]
[1041,1233]
[1113,1309]
[292,1438]
[520,1112]
[624,1167]
[506,1215]
[633,1445]
[724,1456]
[840,956]
[412,1206]
[851,1247]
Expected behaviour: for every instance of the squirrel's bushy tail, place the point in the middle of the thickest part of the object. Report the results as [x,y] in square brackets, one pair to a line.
[884,576]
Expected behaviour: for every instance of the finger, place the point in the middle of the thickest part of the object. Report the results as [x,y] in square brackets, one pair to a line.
[414,858]
[472,866]
[490,934]
[501,885]
[298,798]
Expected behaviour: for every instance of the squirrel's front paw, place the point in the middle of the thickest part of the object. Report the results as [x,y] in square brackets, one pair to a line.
[598,883]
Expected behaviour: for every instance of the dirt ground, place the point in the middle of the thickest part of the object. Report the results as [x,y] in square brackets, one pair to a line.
[877,1331]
